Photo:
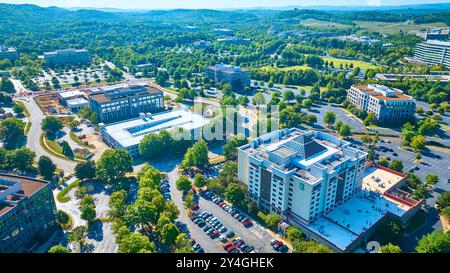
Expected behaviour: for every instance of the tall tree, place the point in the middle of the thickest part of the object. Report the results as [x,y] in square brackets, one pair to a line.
[12,133]
[113,165]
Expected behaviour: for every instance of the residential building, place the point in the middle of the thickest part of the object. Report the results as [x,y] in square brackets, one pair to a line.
[388,105]
[8,53]
[234,41]
[123,101]
[128,134]
[68,56]
[298,173]
[433,52]
[28,213]
[238,78]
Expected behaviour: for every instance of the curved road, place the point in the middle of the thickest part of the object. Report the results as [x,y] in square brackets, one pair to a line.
[36,116]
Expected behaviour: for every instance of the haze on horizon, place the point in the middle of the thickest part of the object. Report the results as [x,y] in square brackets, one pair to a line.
[215,4]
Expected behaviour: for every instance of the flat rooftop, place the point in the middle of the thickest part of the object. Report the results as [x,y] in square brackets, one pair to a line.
[375,92]
[348,221]
[130,132]
[78,101]
[381,179]
[114,92]
[28,187]
[438,43]
[71,94]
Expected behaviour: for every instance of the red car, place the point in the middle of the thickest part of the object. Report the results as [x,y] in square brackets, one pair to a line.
[227,245]
[195,207]
[230,249]
[248,223]
[221,204]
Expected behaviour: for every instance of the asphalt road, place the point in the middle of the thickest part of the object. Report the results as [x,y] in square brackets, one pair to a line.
[36,116]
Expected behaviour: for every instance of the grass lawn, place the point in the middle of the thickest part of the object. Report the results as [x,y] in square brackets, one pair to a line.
[325,25]
[62,194]
[395,27]
[356,63]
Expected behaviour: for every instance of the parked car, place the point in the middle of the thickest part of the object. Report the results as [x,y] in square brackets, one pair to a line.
[195,207]
[230,234]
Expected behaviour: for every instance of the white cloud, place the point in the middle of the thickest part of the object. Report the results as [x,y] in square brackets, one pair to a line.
[376,3]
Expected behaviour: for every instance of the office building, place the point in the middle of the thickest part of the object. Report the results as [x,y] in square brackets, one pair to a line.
[298,173]
[65,96]
[223,31]
[128,134]
[123,101]
[238,78]
[388,105]
[233,41]
[28,213]
[202,44]
[433,52]
[8,53]
[435,34]
[68,56]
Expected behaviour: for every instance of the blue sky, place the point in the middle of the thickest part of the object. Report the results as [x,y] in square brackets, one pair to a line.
[170,4]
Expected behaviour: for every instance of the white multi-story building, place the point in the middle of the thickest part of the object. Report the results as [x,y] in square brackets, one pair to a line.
[433,52]
[298,174]
[388,105]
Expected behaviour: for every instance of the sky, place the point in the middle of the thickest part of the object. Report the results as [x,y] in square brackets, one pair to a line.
[214,4]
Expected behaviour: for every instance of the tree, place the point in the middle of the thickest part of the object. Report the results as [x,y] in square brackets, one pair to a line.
[432,179]
[58,249]
[289,118]
[22,159]
[50,125]
[307,103]
[88,213]
[113,165]
[78,235]
[301,246]
[438,242]
[197,155]
[183,244]
[235,194]
[12,133]
[183,183]
[443,200]
[371,119]
[189,201]
[293,234]
[230,148]
[117,204]
[169,233]
[329,118]
[397,165]
[66,149]
[288,95]
[18,109]
[199,180]
[390,248]
[345,130]
[85,170]
[136,243]
[258,99]
[46,167]
[418,142]
[408,132]
[383,162]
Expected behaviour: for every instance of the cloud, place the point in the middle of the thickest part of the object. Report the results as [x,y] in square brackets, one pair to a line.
[376,3]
